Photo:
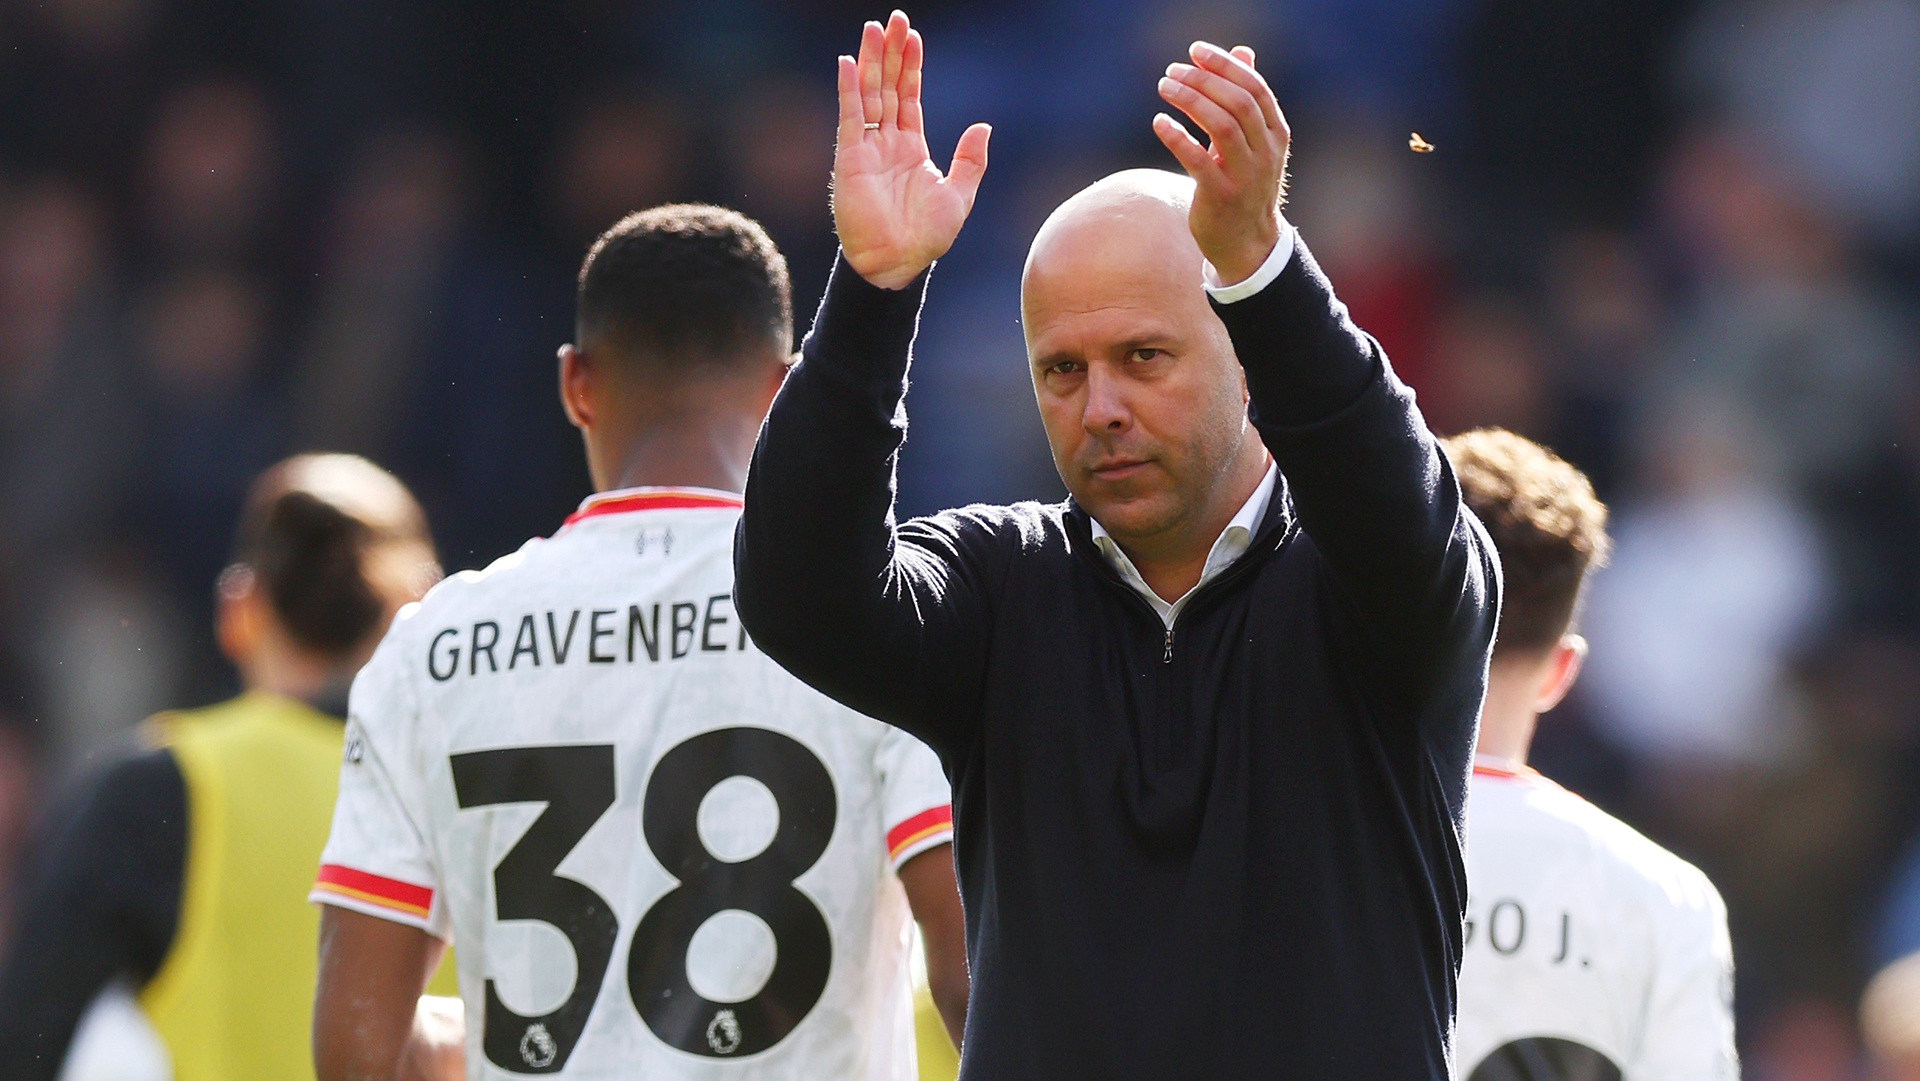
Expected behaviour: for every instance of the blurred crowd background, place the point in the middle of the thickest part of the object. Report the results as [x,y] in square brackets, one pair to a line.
[1677,240]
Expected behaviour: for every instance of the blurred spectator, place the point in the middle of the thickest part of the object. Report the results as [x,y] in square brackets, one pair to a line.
[1812,1040]
[625,150]
[64,442]
[1801,844]
[100,27]
[1565,110]
[20,718]
[78,78]
[1370,216]
[780,150]
[431,346]
[1602,292]
[1717,580]
[387,254]
[1787,327]
[200,339]
[68,443]
[1833,87]
[1783,323]
[1606,316]
[208,177]
[1487,369]
[110,647]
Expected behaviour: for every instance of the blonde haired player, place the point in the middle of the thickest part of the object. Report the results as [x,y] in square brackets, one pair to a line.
[1592,953]
[659,855]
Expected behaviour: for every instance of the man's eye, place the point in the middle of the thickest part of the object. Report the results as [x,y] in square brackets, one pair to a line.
[1144,354]
[1065,367]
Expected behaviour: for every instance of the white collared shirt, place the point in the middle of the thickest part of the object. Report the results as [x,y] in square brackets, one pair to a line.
[1232,543]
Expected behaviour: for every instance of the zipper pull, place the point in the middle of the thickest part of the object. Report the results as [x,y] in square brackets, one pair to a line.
[1167,657]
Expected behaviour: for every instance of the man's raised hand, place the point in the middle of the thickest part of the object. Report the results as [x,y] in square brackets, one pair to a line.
[1240,179]
[893,209]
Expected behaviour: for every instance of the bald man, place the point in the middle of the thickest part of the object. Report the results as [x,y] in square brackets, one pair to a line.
[1209,721]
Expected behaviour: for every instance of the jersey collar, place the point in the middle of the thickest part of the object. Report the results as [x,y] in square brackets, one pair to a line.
[623,500]
[1486,765]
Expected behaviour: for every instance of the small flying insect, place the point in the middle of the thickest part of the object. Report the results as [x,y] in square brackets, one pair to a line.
[1418,145]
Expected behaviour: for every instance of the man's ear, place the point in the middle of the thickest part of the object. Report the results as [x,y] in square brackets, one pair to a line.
[776,378]
[1563,667]
[237,616]
[576,375]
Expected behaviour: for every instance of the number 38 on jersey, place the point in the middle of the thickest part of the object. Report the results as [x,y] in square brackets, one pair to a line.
[577,785]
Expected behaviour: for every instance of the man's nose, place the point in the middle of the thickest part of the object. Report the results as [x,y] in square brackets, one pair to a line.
[1106,410]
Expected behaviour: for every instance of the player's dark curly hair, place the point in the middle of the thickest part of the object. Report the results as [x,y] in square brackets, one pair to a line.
[685,285]
[309,536]
[1546,523]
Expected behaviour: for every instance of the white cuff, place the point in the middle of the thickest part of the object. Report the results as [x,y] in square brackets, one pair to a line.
[1276,262]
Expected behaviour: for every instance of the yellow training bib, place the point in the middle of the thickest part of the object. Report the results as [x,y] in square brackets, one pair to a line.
[234,997]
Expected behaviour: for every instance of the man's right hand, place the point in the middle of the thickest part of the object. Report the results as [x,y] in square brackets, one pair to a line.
[893,209]
[1239,180]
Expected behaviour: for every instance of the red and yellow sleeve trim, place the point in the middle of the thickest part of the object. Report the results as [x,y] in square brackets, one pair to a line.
[931,826]
[387,894]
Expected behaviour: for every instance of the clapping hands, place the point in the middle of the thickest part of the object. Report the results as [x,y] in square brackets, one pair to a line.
[896,212]
[893,208]
[1240,179]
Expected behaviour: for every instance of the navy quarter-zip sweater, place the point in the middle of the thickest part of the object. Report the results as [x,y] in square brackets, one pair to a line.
[1228,850]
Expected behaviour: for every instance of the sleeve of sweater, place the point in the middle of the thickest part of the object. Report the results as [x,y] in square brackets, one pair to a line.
[890,620]
[1369,482]
[100,902]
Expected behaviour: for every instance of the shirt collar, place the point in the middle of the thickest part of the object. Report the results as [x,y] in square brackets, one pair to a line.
[1487,765]
[652,497]
[1232,543]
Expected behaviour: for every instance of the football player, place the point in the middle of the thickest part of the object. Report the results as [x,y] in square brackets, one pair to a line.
[182,873]
[1592,954]
[659,854]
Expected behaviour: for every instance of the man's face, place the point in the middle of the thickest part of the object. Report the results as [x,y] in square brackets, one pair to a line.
[1143,400]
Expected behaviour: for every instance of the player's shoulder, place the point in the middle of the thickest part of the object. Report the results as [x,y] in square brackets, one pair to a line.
[1627,858]
[463,589]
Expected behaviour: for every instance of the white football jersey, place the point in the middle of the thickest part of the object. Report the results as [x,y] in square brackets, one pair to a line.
[656,853]
[1592,954]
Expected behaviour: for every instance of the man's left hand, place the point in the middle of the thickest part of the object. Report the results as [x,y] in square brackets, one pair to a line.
[1241,178]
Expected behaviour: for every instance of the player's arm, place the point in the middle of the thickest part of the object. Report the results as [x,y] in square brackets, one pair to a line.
[370,1020]
[1370,484]
[382,927]
[826,584]
[101,901]
[934,897]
